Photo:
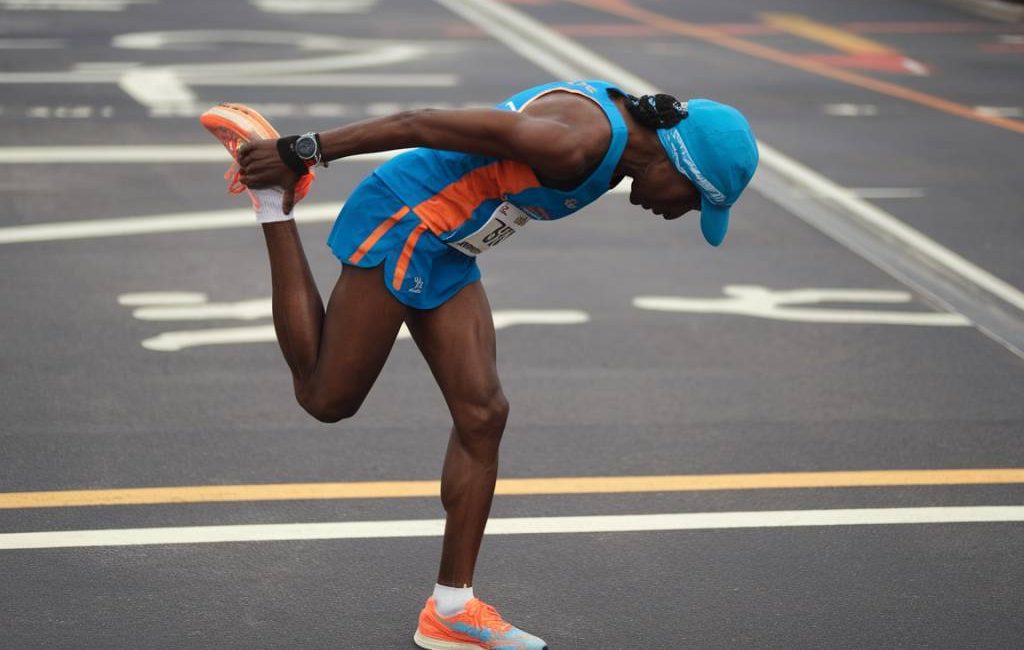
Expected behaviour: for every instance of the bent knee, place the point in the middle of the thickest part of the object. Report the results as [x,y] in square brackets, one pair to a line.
[328,409]
[484,418]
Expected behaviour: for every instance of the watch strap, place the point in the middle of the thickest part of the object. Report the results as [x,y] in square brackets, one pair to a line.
[286,150]
[320,159]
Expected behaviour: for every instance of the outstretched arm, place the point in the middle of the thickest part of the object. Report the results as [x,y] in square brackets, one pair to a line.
[545,144]
[550,147]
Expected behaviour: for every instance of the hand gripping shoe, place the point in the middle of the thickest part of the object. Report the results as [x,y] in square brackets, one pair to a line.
[235,125]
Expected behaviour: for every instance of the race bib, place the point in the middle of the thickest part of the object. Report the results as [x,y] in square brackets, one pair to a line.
[505,221]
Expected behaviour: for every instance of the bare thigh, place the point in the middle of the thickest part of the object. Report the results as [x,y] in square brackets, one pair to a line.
[457,340]
[359,330]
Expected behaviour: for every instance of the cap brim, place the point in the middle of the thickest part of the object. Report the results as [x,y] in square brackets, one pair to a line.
[714,221]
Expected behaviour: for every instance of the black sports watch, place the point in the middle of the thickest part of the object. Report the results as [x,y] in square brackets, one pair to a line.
[307,148]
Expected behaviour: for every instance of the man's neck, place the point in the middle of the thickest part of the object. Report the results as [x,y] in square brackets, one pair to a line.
[642,147]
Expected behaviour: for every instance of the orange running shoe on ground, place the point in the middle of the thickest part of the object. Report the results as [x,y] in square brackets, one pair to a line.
[477,626]
[235,125]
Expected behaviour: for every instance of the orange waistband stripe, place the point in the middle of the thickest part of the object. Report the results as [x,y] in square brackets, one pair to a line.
[454,205]
[403,259]
[377,233]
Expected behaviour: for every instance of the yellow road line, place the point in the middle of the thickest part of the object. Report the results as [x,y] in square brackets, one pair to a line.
[508,487]
[717,37]
[811,30]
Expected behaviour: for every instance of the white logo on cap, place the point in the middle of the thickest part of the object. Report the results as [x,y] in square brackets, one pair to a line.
[682,158]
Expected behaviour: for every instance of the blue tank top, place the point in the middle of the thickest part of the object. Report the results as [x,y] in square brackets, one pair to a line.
[455,193]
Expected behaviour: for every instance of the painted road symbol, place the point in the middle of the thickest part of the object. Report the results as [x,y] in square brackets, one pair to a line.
[168,306]
[166,89]
[794,305]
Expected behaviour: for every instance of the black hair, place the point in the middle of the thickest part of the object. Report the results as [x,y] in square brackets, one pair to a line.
[659,111]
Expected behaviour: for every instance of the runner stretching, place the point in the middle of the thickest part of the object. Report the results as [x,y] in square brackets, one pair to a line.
[408,238]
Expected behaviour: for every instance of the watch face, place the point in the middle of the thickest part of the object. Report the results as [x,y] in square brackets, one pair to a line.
[305,147]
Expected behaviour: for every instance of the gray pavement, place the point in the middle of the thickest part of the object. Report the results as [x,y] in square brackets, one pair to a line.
[629,392]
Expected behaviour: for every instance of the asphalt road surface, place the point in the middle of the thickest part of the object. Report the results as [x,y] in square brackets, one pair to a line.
[825,414]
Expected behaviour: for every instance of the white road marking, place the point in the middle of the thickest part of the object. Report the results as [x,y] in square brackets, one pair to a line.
[547,58]
[761,302]
[188,306]
[908,237]
[314,6]
[135,154]
[79,112]
[888,192]
[511,526]
[167,310]
[1000,111]
[105,66]
[916,67]
[850,110]
[159,223]
[150,298]
[157,88]
[508,317]
[164,89]
[176,341]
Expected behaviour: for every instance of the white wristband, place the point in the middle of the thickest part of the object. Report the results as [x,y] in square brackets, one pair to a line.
[269,209]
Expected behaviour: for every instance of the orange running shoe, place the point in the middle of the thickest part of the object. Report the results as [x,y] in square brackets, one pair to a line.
[235,125]
[477,626]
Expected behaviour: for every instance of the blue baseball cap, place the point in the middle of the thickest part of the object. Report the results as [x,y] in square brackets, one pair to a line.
[715,148]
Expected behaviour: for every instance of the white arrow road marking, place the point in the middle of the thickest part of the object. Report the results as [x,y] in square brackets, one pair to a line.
[761,302]
[190,306]
[165,88]
[175,341]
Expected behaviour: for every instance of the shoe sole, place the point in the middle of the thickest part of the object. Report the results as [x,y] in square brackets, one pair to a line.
[232,126]
[430,643]
[235,124]
[253,115]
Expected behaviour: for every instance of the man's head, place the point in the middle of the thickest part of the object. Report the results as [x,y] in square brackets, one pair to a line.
[711,155]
